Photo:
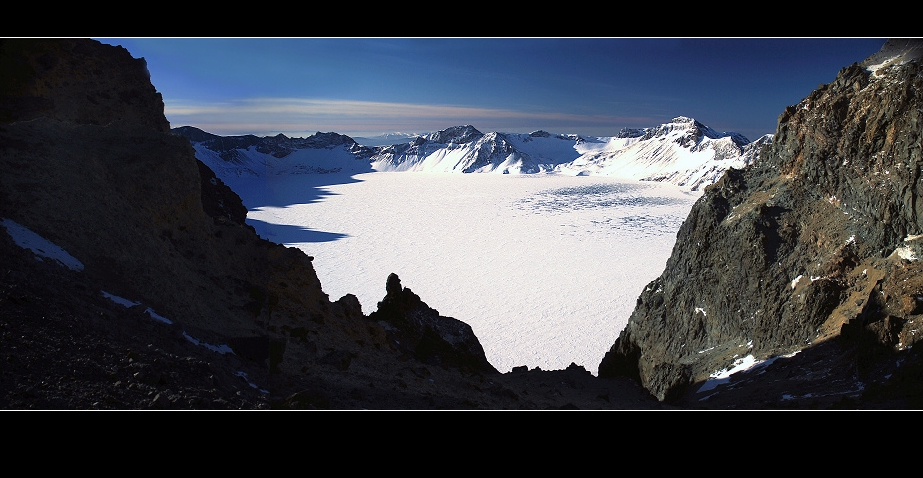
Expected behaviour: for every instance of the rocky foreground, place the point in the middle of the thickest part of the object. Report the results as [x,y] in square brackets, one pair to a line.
[765,265]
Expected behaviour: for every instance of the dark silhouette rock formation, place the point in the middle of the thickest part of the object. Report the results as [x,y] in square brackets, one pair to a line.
[421,332]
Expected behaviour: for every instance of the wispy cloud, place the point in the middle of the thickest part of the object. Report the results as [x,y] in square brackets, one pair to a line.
[293,115]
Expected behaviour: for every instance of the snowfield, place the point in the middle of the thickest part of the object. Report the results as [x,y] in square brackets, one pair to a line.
[546,268]
[543,251]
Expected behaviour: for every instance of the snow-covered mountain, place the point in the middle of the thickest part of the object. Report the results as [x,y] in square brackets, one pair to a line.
[464,149]
[246,156]
[385,139]
[684,152]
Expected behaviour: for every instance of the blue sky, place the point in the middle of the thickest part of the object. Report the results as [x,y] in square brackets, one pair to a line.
[588,86]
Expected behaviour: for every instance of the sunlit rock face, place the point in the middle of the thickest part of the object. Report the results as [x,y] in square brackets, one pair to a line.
[815,239]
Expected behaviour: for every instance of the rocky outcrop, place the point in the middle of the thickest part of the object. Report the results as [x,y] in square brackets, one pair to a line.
[419,331]
[218,200]
[816,240]
[74,81]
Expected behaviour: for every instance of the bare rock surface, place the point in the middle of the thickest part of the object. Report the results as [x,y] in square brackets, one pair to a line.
[813,243]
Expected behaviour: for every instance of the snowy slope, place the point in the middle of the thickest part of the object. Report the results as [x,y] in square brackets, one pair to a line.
[247,164]
[683,152]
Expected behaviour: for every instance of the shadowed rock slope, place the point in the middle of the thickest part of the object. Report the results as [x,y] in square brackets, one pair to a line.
[815,246]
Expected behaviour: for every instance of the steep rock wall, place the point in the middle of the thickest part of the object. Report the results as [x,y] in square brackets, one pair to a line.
[812,239]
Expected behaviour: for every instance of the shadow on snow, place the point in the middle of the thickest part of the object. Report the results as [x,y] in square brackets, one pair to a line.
[287,190]
[291,233]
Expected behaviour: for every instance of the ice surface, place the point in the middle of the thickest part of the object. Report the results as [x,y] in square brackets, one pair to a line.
[545,268]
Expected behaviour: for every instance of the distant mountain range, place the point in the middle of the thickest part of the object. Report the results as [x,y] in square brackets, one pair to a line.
[684,152]
[385,139]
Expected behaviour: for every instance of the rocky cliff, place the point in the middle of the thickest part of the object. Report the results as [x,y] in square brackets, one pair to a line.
[817,241]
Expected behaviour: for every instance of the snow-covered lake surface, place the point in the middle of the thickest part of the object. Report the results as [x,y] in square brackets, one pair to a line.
[545,268]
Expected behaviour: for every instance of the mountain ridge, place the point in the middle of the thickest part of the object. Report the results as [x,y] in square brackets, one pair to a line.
[684,152]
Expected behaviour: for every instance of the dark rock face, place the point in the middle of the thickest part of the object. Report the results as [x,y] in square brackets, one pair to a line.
[493,149]
[218,200]
[631,133]
[421,332]
[790,251]
[107,181]
[72,80]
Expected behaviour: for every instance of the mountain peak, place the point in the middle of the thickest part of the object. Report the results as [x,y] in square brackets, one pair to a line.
[194,134]
[456,134]
[707,131]
[895,51]
[683,119]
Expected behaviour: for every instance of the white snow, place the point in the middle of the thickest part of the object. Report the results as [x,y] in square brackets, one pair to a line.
[26,239]
[119,300]
[896,52]
[221,349]
[670,153]
[906,253]
[158,317]
[545,268]
[740,365]
[243,375]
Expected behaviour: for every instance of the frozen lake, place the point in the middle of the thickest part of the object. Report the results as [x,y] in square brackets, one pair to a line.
[545,268]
